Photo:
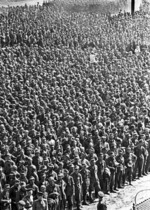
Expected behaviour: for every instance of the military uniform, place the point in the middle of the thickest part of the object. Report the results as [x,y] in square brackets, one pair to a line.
[120,170]
[111,164]
[62,197]
[40,204]
[69,190]
[139,152]
[78,188]
[85,173]
[94,181]
[5,201]
[28,202]
[130,159]
[101,168]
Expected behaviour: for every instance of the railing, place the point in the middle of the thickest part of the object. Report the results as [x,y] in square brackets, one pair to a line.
[142,200]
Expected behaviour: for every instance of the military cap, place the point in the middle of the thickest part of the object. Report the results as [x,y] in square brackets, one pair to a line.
[140,141]
[43,187]
[111,153]
[7,186]
[60,175]
[92,160]
[50,165]
[17,180]
[120,151]
[51,178]
[100,194]
[40,193]
[31,178]
[37,151]
[76,167]
[76,158]
[66,171]
[128,149]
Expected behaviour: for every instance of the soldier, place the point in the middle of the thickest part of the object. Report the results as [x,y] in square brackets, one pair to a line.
[111,164]
[22,192]
[140,152]
[8,164]
[28,199]
[78,186]
[2,177]
[69,190]
[43,180]
[21,205]
[5,201]
[130,159]
[101,168]
[53,194]
[51,172]
[13,194]
[33,186]
[85,173]
[94,181]
[62,185]
[120,169]
[40,203]
[43,190]
[37,159]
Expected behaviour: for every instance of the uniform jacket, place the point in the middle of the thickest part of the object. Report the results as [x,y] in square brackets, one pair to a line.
[69,190]
[40,205]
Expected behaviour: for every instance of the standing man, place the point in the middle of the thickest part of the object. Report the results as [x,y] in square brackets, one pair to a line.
[69,190]
[78,186]
[28,199]
[85,173]
[21,205]
[120,169]
[111,164]
[5,201]
[94,181]
[40,203]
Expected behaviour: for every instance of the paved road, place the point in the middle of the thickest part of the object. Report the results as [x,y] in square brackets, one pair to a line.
[124,199]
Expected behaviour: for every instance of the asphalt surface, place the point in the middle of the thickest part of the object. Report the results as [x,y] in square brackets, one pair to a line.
[124,198]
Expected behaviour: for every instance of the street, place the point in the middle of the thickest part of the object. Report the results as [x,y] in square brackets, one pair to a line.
[124,199]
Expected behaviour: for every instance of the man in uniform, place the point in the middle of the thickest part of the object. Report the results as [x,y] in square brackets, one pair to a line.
[21,205]
[139,152]
[13,194]
[40,203]
[130,159]
[78,186]
[53,191]
[101,168]
[69,190]
[85,173]
[94,181]
[28,199]
[111,164]
[62,185]
[5,201]
[120,169]
[33,186]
